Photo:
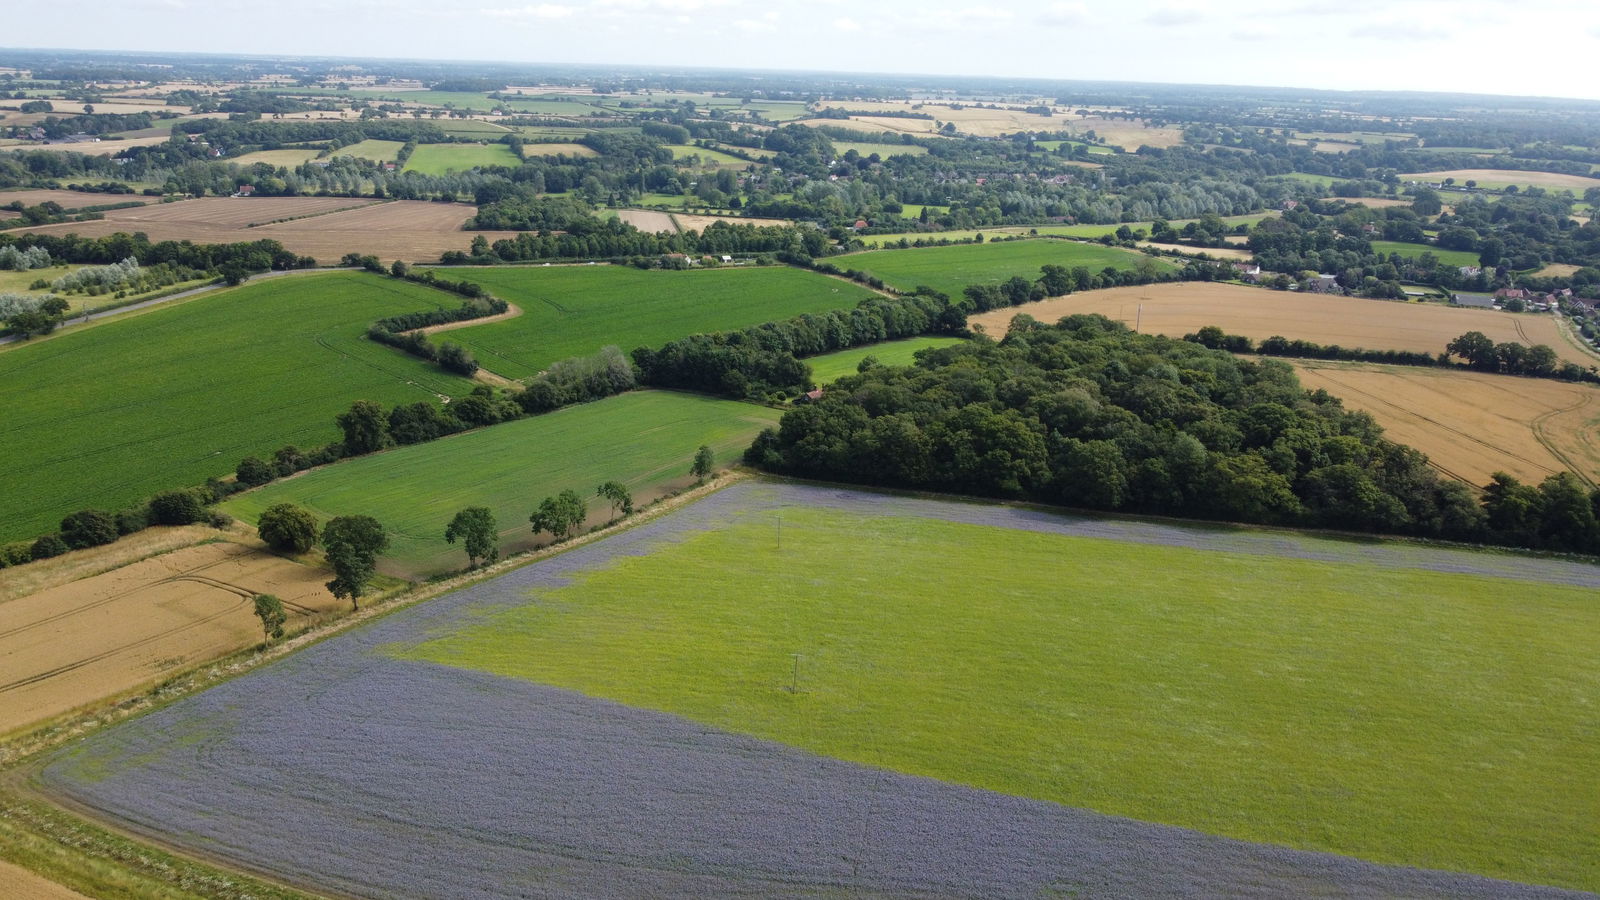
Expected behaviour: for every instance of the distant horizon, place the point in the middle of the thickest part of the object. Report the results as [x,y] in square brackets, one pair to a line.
[899,75]
[1480,47]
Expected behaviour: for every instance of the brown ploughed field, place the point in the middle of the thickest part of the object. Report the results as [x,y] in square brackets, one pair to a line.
[325,228]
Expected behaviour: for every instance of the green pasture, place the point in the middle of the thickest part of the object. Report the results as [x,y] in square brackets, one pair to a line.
[287,158]
[832,366]
[1308,178]
[707,156]
[107,414]
[883,150]
[471,128]
[576,310]
[542,149]
[951,269]
[1413,251]
[438,159]
[914,210]
[377,151]
[1395,714]
[644,439]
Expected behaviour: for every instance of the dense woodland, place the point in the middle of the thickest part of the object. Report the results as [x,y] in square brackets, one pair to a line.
[1088,414]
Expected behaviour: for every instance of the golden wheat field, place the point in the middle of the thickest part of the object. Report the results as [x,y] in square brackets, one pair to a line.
[1179,308]
[1473,424]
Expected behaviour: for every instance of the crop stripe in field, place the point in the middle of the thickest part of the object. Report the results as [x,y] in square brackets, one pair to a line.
[1539,434]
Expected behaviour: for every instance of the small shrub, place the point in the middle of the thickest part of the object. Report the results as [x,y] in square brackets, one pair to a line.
[176,508]
[88,528]
[48,546]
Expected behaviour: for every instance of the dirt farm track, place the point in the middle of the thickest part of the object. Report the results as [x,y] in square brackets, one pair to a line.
[101,636]
[325,228]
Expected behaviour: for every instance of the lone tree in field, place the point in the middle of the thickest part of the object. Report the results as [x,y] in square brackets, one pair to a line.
[352,544]
[287,528]
[475,527]
[617,493]
[704,462]
[269,610]
[560,515]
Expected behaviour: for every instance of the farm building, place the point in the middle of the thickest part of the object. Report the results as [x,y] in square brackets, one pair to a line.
[1483,301]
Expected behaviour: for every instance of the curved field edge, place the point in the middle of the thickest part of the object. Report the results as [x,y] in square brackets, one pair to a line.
[1356,701]
[360,655]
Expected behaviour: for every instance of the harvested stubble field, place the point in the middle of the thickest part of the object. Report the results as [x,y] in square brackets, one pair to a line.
[69,200]
[1473,424]
[1234,253]
[951,269]
[106,415]
[1380,747]
[109,634]
[1176,309]
[1498,179]
[688,222]
[576,310]
[324,228]
[649,220]
[643,439]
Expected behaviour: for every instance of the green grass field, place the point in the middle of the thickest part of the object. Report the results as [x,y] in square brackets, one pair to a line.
[576,310]
[831,366]
[438,159]
[473,128]
[883,150]
[1077,231]
[1308,178]
[541,149]
[707,156]
[1413,251]
[1395,714]
[645,439]
[105,415]
[377,151]
[951,269]
[287,158]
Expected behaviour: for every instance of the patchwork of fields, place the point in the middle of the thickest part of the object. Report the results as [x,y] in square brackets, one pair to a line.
[576,310]
[1176,309]
[644,439]
[764,642]
[106,415]
[951,269]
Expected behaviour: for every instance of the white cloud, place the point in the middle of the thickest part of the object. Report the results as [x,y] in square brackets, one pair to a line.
[1064,14]
[1409,31]
[540,11]
[755,26]
[845,23]
[1175,14]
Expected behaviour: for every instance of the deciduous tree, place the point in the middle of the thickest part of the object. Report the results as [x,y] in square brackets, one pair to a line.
[475,526]
[352,544]
[287,528]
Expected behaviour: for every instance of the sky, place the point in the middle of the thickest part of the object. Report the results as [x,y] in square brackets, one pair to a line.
[1537,47]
